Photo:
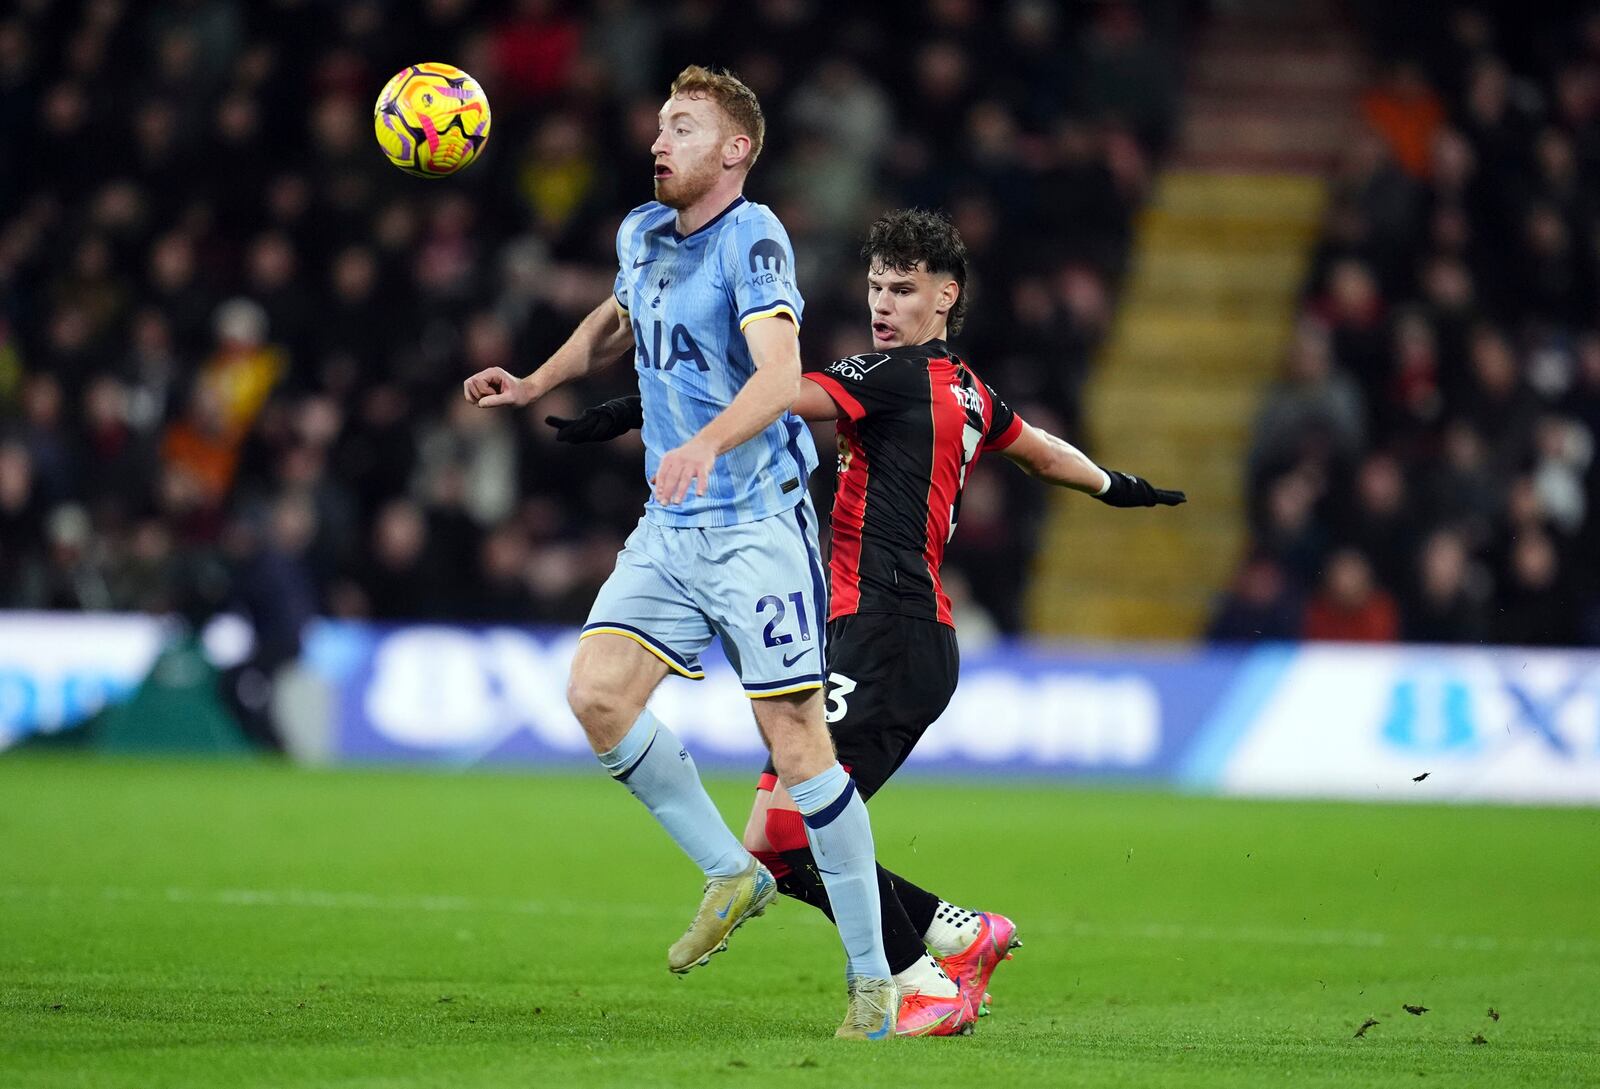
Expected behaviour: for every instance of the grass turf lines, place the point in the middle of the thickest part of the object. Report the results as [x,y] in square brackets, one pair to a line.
[244,924]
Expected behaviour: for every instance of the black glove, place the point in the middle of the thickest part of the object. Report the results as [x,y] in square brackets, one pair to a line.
[601,423]
[1128,490]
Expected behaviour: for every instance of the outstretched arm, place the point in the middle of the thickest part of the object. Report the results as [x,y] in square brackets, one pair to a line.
[598,340]
[1056,461]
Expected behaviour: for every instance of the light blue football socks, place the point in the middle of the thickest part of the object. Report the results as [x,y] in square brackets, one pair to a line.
[652,763]
[841,840]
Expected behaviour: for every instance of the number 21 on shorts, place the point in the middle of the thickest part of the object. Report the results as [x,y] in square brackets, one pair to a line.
[775,605]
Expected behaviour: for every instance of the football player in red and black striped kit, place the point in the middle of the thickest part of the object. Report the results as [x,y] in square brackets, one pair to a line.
[913,417]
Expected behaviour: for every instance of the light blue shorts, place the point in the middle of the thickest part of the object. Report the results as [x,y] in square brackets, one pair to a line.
[757,586]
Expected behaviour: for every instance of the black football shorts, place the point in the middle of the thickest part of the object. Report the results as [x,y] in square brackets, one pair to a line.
[889,678]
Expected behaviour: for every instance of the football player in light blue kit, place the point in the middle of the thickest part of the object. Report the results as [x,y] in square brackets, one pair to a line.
[705,298]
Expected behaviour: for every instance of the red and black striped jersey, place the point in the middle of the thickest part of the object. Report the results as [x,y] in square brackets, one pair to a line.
[915,420]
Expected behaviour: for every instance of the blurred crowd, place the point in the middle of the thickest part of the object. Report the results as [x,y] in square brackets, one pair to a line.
[232,336]
[1425,468]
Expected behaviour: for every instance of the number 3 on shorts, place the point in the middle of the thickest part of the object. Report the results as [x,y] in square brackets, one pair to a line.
[839,686]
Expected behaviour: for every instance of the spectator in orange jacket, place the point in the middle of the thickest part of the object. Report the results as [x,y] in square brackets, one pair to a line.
[1407,114]
[1351,607]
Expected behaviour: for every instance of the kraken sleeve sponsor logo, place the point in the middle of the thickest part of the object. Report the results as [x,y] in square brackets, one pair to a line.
[768,256]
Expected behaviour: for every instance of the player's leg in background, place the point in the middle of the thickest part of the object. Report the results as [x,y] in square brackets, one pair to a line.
[776,834]
[890,678]
[940,953]
[804,886]
[941,927]
[612,678]
[835,822]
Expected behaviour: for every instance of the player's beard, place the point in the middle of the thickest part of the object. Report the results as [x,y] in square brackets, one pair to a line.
[680,191]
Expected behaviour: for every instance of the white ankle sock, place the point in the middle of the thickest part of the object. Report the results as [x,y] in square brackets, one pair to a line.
[926,977]
[953,929]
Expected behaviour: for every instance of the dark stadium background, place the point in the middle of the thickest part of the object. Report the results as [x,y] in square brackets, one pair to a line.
[193,160]
[1331,266]
[193,202]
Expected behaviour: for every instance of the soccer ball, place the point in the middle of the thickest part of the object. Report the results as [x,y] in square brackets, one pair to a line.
[432,120]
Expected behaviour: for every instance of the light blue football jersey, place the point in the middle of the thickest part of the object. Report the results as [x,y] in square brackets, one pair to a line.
[689,299]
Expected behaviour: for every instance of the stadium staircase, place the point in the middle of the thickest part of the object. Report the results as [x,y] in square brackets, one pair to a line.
[1207,310]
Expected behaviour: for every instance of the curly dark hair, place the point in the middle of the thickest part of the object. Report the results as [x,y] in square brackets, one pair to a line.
[902,239]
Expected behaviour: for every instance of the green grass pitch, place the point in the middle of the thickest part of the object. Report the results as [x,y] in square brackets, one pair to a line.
[243,924]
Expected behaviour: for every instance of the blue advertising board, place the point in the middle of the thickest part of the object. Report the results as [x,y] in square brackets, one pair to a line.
[1391,723]
[1490,724]
[470,695]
